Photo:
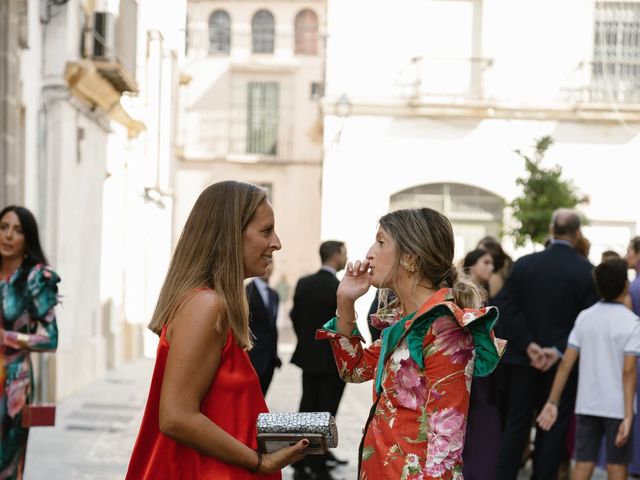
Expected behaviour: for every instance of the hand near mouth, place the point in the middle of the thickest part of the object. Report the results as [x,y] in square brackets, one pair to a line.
[356,281]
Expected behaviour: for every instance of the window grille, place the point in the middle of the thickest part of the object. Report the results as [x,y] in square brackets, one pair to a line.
[615,72]
[219,32]
[306,33]
[262,117]
[262,32]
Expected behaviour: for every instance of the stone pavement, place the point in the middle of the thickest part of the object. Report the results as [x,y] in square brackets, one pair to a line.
[97,427]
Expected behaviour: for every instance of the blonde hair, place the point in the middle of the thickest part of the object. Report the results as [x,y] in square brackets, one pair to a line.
[209,254]
[427,237]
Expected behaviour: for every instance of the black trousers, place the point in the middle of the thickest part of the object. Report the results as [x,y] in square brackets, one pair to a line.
[320,393]
[528,392]
[265,379]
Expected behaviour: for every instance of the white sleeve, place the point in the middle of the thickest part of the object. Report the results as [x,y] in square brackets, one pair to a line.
[632,347]
[574,337]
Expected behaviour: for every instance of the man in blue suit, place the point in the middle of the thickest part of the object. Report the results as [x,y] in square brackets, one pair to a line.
[263,314]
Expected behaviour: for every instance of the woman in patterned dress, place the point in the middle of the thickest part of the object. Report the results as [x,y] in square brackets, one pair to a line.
[28,292]
[423,365]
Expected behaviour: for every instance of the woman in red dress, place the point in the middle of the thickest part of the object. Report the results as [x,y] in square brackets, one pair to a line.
[205,397]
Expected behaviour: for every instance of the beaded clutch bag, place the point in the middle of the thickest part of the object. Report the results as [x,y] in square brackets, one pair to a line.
[279,430]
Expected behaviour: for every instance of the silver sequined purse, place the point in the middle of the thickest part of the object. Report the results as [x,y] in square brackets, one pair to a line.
[279,430]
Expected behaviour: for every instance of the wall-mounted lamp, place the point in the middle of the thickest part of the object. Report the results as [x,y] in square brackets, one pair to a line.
[344,107]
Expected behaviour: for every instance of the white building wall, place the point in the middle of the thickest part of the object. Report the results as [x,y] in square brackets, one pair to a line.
[536,57]
[85,181]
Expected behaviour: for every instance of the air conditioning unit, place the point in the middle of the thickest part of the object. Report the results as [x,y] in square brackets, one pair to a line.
[104,35]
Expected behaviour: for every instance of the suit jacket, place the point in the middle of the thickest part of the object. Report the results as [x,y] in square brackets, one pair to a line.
[314,304]
[542,298]
[262,321]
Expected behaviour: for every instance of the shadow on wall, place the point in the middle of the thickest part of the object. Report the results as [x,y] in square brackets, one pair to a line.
[568,132]
[412,128]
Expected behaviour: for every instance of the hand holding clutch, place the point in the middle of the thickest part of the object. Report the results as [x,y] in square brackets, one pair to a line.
[279,430]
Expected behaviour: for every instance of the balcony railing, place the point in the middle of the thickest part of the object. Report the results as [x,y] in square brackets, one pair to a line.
[606,82]
[453,80]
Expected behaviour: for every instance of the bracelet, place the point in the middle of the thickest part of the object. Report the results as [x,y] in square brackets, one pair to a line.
[259,464]
[350,323]
[553,402]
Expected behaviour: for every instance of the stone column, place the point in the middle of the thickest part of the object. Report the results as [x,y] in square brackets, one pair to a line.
[11,161]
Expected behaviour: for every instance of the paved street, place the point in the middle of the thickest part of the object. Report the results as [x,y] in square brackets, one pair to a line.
[96,428]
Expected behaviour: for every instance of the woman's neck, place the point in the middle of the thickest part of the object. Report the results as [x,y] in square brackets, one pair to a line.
[9,265]
[412,296]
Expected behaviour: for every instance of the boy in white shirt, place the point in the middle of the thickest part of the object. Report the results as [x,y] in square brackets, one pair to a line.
[606,339]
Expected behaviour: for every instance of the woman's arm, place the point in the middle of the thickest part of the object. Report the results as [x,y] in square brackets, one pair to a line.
[45,338]
[42,329]
[355,363]
[192,362]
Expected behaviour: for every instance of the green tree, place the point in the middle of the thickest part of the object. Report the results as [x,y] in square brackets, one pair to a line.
[543,191]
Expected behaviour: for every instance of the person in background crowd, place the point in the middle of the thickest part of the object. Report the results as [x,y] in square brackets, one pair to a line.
[633,302]
[543,296]
[478,266]
[28,295]
[502,264]
[609,255]
[314,301]
[424,366]
[205,397]
[633,261]
[375,332]
[482,442]
[583,246]
[606,340]
[263,315]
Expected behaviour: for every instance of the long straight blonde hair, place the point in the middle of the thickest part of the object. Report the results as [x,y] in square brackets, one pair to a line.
[209,254]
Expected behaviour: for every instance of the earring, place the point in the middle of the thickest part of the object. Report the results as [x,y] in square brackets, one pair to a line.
[409,265]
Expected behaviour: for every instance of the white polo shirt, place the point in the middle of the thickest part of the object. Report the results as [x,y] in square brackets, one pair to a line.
[603,334]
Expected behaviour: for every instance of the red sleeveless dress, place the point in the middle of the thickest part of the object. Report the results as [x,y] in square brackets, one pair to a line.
[233,402]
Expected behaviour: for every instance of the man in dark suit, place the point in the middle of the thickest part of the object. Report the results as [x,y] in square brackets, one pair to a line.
[314,303]
[542,298]
[263,313]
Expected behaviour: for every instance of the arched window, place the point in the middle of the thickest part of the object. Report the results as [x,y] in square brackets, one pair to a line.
[306,33]
[262,32]
[473,211]
[219,32]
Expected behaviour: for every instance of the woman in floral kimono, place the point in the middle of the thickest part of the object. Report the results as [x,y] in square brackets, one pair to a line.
[423,365]
[28,294]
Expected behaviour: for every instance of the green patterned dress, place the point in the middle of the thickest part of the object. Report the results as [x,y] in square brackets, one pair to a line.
[27,299]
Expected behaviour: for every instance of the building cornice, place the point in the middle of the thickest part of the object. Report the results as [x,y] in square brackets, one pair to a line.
[578,112]
[201,161]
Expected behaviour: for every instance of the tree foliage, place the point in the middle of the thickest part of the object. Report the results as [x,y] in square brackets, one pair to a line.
[543,191]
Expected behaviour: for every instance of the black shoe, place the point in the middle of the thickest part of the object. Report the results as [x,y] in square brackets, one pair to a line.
[323,474]
[333,462]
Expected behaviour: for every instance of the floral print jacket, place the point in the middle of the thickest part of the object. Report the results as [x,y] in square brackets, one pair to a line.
[423,367]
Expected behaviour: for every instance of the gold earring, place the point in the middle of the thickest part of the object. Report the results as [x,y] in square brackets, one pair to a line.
[409,265]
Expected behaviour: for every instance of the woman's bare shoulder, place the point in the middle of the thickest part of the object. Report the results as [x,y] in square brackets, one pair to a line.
[200,311]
